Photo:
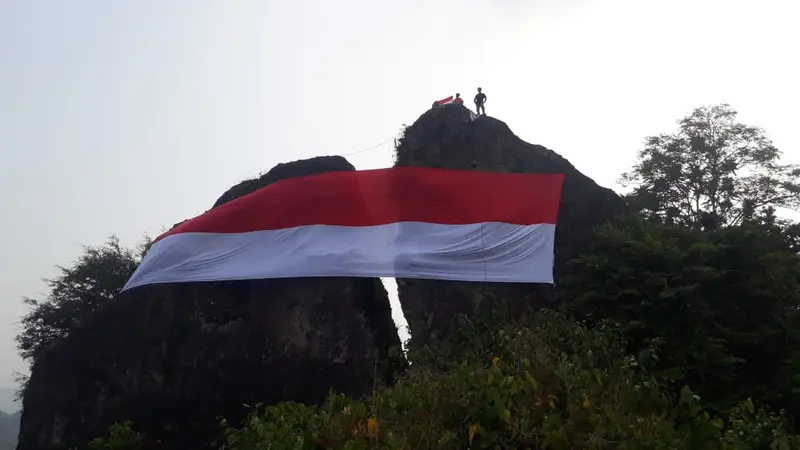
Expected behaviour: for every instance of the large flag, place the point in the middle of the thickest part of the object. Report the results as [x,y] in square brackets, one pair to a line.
[409,222]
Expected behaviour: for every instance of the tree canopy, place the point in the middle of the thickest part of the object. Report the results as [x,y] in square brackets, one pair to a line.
[718,311]
[713,171]
[95,278]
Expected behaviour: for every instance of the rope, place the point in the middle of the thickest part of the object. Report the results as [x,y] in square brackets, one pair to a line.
[389,139]
[370,148]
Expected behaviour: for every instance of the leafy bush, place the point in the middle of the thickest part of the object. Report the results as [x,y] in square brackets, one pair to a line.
[719,311]
[121,436]
[551,384]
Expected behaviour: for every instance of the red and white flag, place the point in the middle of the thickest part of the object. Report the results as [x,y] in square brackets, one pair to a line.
[445,101]
[409,222]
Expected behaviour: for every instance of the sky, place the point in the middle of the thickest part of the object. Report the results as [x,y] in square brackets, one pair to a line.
[126,117]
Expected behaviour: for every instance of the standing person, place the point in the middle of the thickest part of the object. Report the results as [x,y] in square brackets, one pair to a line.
[458,100]
[480,99]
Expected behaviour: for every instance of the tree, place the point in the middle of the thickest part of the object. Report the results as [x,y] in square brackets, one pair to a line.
[95,278]
[712,172]
[716,310]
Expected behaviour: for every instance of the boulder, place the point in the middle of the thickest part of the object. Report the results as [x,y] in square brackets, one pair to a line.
[175,358]
[452,137]
[319,164]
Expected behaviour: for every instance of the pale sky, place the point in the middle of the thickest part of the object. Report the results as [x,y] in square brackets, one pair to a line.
[124,117]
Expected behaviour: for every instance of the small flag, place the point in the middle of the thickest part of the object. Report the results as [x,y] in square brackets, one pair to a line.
[445,101]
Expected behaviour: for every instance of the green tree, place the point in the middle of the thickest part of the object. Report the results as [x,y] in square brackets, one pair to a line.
[715,310]
[712,172]
[95,278]
[121,436]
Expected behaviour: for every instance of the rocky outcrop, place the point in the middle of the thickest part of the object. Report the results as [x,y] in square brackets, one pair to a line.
[175,358]
[449,138]
[310,166]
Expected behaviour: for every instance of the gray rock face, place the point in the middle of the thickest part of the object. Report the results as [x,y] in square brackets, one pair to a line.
[174,358]
[448,138]
[320,164]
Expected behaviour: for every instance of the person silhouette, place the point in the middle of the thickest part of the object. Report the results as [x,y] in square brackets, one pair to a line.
[480,99]
[458,100]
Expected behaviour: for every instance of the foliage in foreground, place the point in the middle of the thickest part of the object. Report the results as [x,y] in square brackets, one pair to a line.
[121,436]
[548,384]
[717,310]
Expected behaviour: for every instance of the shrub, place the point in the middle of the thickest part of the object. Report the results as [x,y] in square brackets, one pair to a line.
[718,310]
[550,384]
[121,436]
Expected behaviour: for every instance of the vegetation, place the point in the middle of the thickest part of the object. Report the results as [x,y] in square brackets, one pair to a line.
[95,278]
[549,383]
[713,171]
[680,330]
[714,310]
[121,436]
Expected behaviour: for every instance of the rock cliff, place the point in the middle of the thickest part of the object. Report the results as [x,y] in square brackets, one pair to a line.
[174,358]
[449,138]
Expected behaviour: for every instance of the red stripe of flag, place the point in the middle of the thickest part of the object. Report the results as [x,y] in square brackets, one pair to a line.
[445,101]
[382,196]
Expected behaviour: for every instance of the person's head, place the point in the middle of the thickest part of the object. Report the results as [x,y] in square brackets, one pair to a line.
[479,89]
[458,95]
